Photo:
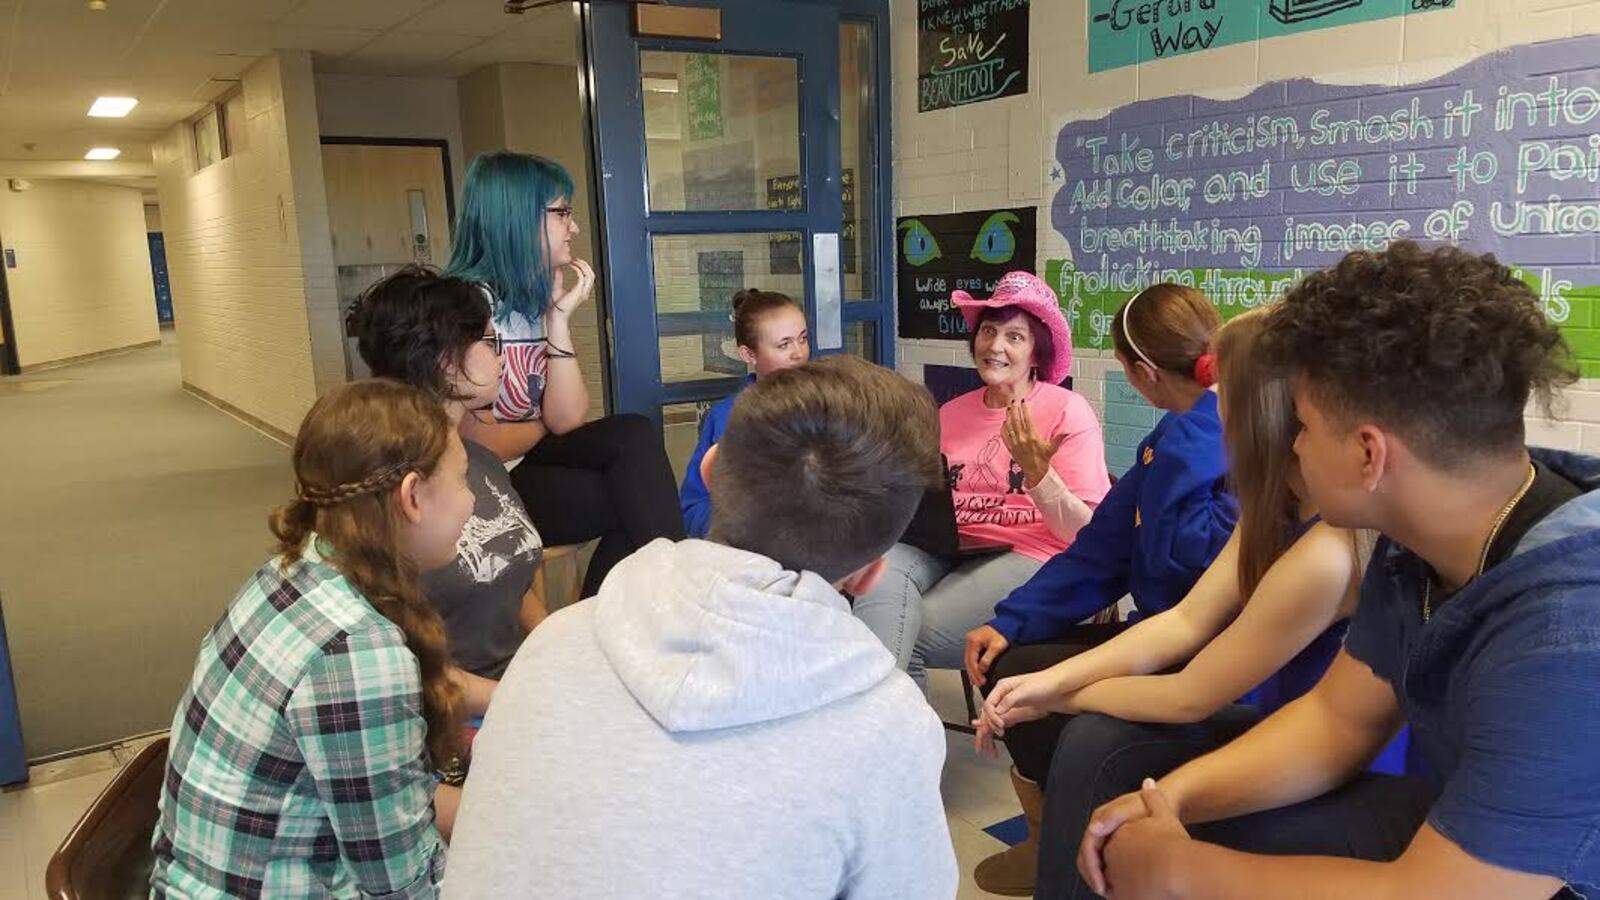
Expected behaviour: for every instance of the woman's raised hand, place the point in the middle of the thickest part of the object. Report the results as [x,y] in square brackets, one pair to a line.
[569,298]
[1030,450]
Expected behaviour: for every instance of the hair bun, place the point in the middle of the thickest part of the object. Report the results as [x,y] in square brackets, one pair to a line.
[1205,369]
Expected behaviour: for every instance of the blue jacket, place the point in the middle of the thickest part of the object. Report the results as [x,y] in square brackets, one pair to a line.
[694,498]
[1153,535]
[1499,686]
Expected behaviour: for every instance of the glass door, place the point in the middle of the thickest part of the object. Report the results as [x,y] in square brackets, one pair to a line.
[753,160]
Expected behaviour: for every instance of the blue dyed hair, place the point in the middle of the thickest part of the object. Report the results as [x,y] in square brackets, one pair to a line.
[500,233]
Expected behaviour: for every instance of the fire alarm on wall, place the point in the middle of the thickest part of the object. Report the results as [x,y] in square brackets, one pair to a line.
[19,184]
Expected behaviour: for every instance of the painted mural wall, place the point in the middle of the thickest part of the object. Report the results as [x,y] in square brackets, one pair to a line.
[1241,198]
[1271,145]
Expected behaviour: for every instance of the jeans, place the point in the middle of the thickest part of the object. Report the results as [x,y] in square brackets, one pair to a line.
[924,606]
[1099,758]
[608,479]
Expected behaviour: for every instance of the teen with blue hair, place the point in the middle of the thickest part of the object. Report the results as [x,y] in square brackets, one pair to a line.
[607,479]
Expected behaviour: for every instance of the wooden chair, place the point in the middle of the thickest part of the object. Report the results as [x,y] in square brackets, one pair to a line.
[572,583]
[107,855]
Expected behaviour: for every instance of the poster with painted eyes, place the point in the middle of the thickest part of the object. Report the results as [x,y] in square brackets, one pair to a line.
[935,255]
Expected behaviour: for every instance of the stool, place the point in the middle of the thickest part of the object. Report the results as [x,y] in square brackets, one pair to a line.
[567,555]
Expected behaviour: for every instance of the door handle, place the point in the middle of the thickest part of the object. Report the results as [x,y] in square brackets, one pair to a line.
[826,290]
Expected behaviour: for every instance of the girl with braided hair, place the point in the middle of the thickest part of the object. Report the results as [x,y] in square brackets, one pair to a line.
[303,749]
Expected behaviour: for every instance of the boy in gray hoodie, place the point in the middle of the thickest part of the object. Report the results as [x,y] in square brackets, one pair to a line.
[715,722]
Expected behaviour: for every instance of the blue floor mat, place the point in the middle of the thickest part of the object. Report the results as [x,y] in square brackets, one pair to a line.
[1010,832]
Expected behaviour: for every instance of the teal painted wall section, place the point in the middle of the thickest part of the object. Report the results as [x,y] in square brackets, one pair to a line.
[1128,418]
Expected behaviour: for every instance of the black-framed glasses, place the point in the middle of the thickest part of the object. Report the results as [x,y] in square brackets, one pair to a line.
[495,342]
[565,212]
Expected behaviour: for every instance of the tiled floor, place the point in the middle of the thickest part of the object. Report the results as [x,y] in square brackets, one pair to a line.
[34,820]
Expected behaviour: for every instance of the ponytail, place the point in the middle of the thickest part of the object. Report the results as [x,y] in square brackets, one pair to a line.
[1169,327]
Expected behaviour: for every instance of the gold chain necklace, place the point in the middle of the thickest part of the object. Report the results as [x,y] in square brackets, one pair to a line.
[1494,532]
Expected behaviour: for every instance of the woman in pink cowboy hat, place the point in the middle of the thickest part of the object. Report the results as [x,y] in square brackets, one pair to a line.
[1027,466]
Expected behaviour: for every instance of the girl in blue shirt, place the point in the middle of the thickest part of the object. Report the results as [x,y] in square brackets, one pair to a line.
[770,330]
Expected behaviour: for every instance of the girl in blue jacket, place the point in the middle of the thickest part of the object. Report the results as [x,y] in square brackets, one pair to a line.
[770,330]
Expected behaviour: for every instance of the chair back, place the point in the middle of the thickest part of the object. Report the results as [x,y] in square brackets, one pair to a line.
[107,855]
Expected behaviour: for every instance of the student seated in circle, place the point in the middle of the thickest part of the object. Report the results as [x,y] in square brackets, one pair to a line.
[1159,528]
[1027,466]
[770,331]
[681,734]
[434,332]
[303,751]
[1262,623]
[1477,625]
[608,479]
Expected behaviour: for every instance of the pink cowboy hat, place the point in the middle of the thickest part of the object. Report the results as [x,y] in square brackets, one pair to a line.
[1027,292]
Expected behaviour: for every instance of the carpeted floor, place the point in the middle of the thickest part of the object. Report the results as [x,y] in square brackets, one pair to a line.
[130,513]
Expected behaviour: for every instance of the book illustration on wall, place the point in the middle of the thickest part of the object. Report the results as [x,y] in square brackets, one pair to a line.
[1303,10]
[1242,198]
[1129,32]
[936,255]
[969,51]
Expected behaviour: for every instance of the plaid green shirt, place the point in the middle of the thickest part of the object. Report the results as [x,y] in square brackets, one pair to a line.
[297,766]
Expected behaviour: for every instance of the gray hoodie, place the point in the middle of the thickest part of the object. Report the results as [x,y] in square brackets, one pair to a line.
[709,725]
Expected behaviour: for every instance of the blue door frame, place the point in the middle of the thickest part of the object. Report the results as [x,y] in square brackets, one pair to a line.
[13,762]
[806,30]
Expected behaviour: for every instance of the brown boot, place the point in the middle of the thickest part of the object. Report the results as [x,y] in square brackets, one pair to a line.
[1010,873]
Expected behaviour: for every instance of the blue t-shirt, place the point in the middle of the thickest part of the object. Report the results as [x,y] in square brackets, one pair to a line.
[1499,688]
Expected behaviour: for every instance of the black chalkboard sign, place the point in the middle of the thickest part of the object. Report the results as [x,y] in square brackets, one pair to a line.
[783,251]
[784,195]
[935,255]
[969,51]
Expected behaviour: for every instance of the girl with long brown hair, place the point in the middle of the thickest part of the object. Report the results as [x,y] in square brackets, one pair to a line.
[1262,623]
[303,750]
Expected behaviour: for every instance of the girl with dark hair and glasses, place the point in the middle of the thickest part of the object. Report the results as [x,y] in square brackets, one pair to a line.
[434,333]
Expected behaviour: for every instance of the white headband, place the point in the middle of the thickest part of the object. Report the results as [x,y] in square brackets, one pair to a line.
[1127,332]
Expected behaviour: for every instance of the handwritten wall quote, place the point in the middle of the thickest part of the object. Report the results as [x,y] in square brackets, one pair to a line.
[1128,32]
[969,51]
[1242,197]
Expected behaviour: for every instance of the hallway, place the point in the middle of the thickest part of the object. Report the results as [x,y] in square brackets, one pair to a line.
[132,513]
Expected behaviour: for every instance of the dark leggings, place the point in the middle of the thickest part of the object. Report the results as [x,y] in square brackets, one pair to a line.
[1100,758]
[609,479]
[1032,743]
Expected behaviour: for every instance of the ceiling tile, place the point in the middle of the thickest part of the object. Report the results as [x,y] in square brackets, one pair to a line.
[226,11]
[379,14]
[481,18]
[401,47]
